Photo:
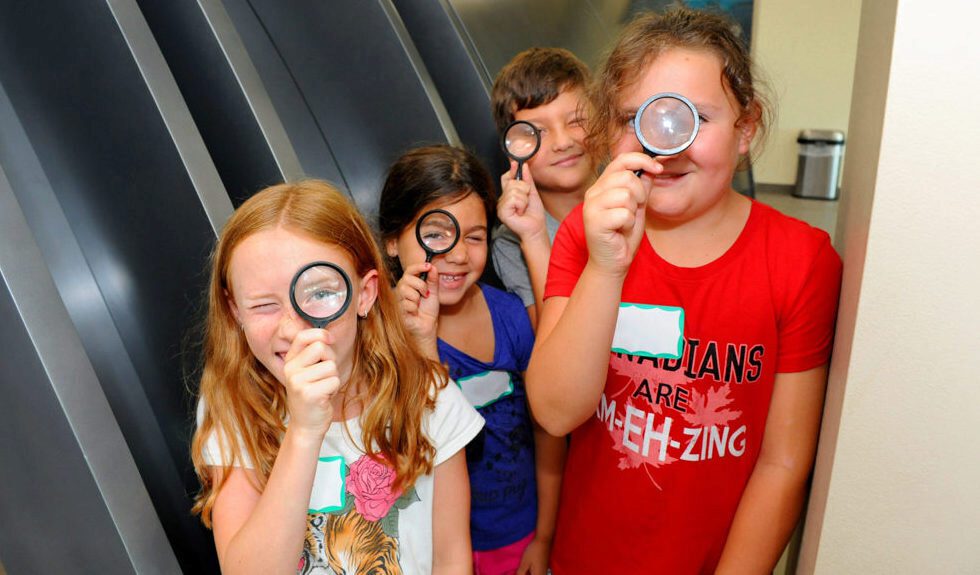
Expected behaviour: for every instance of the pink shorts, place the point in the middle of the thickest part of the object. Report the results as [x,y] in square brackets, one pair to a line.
[502,561]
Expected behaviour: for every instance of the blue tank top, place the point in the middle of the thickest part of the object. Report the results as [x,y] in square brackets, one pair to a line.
[500,460]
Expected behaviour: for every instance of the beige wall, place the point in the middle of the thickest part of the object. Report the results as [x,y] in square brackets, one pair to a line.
[897,483]
[806,48]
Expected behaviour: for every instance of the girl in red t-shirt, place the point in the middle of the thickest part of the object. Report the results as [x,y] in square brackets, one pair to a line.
[686,331]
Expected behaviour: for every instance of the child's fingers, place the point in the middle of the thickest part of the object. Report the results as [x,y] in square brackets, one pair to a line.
[510,175]
[432,282]
[515,202]
[317,372]
[315,352]
[306,337]
[411,278]
[634,162]
[410,288]
[322,389]
[527,175]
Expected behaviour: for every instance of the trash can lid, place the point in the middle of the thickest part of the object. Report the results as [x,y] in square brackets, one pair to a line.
[820,137]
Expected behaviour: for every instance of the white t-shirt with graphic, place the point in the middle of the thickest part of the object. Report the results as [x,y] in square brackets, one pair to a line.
[354,519]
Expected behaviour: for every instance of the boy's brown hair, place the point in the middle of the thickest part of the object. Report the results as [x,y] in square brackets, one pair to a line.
[534,78]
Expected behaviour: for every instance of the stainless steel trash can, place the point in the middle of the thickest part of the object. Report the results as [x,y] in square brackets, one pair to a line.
[818,169]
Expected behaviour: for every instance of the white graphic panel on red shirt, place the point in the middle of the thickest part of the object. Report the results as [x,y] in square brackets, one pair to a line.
[649,330]
[678,407]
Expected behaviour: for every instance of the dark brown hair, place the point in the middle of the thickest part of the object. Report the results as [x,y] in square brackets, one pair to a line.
[440,174]
[651,34]
[534,78]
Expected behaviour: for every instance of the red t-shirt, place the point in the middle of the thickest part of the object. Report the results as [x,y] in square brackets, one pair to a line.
[653,480]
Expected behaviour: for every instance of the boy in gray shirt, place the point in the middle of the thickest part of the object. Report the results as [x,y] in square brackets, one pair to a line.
[545,87]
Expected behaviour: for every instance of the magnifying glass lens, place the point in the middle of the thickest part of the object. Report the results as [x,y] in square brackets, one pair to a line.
[320,292]
[521,140]
[668,123]
[438,232]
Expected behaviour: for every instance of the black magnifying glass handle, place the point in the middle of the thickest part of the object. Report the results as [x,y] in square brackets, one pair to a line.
[428,258]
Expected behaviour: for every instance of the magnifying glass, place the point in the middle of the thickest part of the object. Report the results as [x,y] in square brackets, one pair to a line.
[320,293]
[437,232]
[521,141]
[666,124]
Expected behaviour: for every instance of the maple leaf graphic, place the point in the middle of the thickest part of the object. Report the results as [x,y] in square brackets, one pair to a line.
[632,459]
[706,408]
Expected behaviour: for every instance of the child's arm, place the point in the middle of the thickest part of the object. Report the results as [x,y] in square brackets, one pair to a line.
[263,532]
[419,303]
[521,210]
[772,500]
[568,368]
[451,550]
[549,462]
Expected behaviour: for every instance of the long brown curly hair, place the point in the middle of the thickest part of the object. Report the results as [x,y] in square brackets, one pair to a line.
[651,34]
[244,404]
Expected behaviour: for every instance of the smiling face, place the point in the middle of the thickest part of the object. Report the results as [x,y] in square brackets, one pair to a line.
[561,164]
[261,269]
[461,267]
[694,181]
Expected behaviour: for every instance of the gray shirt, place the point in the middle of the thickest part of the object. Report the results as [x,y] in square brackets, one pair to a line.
[509,262]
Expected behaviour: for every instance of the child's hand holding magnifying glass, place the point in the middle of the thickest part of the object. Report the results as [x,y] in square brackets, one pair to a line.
[319,293]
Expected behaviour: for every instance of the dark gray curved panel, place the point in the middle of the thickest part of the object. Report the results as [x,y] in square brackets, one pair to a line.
[458,72]
[344,76]
[68,480]
[119,193]
[199,47]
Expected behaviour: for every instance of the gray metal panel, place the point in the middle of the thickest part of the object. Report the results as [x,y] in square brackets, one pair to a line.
[120,194]
[501,28]
[226,110]
[173,111]
[252,88]
[71,492]
[458,72]
[345,69]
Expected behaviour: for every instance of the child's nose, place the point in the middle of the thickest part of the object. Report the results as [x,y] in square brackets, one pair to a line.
[290,324]
[561,139]
[459,254]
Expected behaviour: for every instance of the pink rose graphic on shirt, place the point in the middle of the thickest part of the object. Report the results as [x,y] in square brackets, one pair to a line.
[370,482]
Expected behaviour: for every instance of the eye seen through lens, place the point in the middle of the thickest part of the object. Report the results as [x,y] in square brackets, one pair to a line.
[666,124]
[320,293]
[437,231]
[521,140]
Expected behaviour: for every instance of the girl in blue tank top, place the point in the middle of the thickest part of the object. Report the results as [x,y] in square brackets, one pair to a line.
[485,337]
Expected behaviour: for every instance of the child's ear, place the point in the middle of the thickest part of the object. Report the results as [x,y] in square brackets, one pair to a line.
[747,126]
[368,293]
[233,307]
[391,248]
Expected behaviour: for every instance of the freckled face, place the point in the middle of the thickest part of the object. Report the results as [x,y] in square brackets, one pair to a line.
[260,272]
[460,268]
[694,181]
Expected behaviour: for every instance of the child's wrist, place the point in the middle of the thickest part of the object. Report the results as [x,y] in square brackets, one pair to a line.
[538,238]
[304,436]
[605,271]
